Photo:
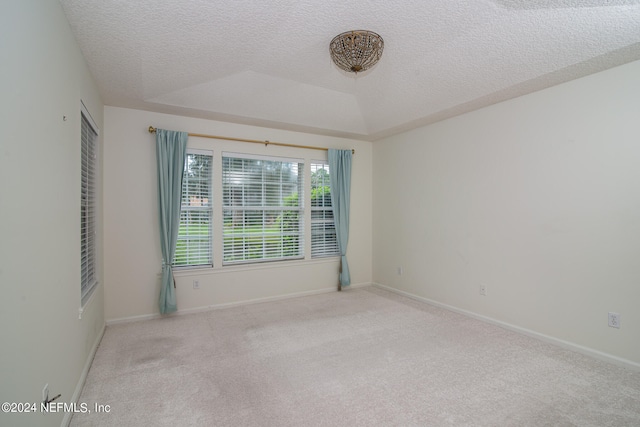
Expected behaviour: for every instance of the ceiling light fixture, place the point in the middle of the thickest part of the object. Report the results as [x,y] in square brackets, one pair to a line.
[355,51]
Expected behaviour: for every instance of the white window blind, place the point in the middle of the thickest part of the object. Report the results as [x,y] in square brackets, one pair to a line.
[89,136]
[263,208]
[323,229]
[193,247]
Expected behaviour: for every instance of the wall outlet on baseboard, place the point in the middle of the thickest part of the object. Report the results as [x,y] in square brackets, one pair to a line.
[614,320]
[483,290]
[196,284]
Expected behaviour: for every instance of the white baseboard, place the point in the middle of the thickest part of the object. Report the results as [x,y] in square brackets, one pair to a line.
[83,377]
[546,338]
[360,285]
[230,304]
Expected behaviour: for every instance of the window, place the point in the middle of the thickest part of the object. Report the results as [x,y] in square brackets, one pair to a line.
[193,247]
[263,209]
[88,142]
[323,228]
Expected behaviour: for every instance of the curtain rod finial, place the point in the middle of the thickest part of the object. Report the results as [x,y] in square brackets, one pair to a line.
[152,129]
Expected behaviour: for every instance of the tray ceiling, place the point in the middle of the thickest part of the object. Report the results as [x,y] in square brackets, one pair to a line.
[267,63]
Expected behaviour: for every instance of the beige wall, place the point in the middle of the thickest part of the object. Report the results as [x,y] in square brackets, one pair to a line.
[132,250]
[43,78]
[538,198]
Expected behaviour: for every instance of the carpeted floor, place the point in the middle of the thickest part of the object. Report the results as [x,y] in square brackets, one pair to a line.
[362,357]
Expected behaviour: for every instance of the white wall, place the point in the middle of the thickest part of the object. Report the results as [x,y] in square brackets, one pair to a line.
[132,249]
[538,198]
[43,77]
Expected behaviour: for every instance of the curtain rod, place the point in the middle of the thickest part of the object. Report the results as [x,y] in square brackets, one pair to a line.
[253,141]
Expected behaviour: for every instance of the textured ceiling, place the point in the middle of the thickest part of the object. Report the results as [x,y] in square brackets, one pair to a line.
[267,62]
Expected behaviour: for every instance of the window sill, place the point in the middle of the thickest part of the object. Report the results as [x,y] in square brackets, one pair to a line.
[196,271]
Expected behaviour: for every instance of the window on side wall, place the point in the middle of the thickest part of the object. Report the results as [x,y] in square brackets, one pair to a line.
[323,229]
[88,206]
[194,244]
[263,208]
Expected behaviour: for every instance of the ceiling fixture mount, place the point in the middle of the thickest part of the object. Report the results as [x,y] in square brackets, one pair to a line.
[356,51]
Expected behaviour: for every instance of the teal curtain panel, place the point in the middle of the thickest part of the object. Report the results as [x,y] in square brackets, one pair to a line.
[340,167]
[171,148]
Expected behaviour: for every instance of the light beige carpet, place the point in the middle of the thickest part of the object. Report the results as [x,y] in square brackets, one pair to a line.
[362,357]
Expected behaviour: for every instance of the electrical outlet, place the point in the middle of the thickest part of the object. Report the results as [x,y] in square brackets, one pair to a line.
[614,320]
[45,393]
[483,290]
[399,270]
[196,284]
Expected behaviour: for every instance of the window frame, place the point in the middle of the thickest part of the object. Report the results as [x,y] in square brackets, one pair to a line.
[89,133]
[327,246]
[208,209]
[262,244]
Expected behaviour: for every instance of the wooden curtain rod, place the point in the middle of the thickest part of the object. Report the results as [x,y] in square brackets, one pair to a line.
[253,141]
